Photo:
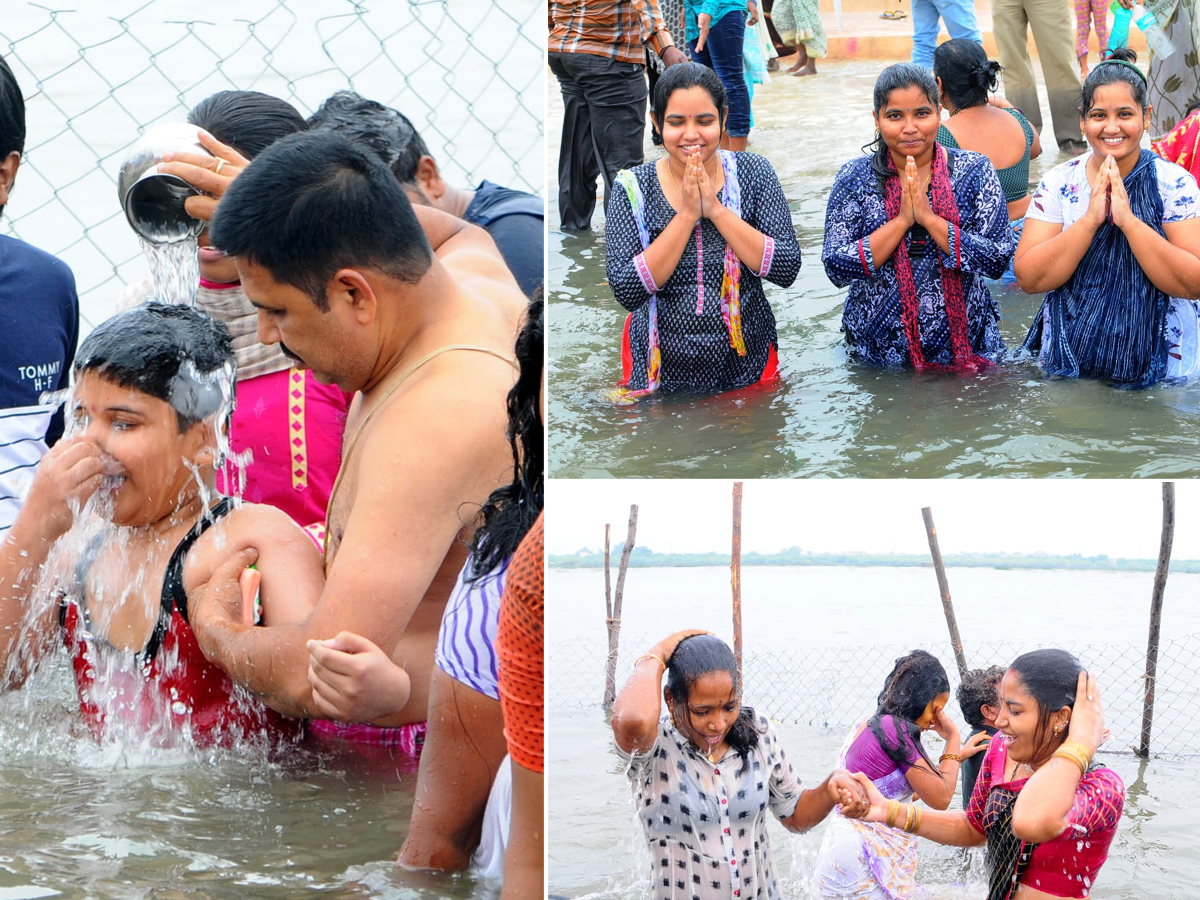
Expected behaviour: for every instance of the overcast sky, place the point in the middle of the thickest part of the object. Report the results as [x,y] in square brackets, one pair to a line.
[1117,518]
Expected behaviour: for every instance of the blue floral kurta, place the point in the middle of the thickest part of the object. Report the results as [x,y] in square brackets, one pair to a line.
[872,319]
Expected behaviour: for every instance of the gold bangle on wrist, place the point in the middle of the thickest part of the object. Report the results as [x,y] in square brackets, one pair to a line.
[946,756]
[908,818]
[893,812]
[650,656]
[917,827]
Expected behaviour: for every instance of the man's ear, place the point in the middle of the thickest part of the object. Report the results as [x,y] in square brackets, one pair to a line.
[430,179]
[8,175]
[352,288]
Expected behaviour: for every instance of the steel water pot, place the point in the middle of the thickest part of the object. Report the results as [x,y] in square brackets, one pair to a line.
[153,201]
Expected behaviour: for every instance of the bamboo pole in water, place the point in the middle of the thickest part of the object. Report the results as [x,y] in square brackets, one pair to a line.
[1156,600]
[610,687]
[735,575]
[614,619]
[944,587]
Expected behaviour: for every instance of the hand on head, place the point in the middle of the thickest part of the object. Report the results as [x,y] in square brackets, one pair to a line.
[665,648]
[1087,716]
[211,175]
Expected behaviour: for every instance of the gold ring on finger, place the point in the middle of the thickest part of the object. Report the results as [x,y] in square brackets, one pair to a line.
[220,163]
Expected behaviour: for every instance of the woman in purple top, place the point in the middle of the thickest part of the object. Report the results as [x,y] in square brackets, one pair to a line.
[871,860]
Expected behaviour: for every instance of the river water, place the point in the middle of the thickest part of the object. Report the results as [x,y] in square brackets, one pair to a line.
[829,415]
[818,643]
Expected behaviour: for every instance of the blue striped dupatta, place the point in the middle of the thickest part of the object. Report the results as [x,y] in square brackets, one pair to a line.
[1109,320]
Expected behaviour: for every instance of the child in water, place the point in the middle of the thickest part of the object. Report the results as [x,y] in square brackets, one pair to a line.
[123,521]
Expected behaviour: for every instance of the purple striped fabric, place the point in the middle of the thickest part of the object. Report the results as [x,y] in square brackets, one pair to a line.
[466,642]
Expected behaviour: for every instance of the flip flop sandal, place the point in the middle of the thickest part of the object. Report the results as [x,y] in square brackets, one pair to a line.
[893,14]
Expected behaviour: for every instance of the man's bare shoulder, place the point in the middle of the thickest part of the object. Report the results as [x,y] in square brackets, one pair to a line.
[267,529]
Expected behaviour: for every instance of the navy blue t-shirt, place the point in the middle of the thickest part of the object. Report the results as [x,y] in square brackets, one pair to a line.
[515,220]
[39,324]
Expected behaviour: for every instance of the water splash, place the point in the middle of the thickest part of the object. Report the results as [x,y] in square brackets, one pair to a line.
[176,270]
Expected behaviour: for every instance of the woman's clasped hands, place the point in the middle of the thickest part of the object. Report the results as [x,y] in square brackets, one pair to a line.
[914,202]
[1109,201]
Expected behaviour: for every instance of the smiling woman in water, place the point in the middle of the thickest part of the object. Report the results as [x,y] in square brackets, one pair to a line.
[690,239]
[1047,811]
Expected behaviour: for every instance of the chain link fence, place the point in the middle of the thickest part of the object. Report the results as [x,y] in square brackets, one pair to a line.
[835,686]
[469,74]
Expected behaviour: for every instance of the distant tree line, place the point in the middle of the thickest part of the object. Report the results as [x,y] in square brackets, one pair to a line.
[795,556]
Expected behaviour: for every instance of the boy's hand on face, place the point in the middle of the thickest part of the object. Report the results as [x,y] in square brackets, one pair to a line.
[67,475]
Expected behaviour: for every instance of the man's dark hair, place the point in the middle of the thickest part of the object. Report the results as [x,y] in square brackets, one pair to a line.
[313,203]
[174,353]
[12,115]
[248,121]
[978,689]
[385,131]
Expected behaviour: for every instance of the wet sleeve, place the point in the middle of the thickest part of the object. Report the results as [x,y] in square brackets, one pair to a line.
[983,784]
[983,242]
[1099,801]
[1046,203]
[847,250]
[781,252]
[1180,193]
[784,784]
[628,275]
[520,649]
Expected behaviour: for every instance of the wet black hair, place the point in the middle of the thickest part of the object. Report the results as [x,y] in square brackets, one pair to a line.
[912,685]
[682,76]
[165,351]
[12,115]
[313,203]
[1119,68]
[510,511]
[387,132]
[248,121]
[894,78]
[966,72]
[1051,677]
[699,655]
[978,689]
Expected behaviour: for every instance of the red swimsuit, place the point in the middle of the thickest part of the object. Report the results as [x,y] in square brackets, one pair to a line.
[171,688]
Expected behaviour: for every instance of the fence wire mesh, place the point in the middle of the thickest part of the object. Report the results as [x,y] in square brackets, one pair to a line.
[469,74]
[835,686]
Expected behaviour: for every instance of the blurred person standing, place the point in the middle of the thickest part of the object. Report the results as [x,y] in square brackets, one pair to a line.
[1054,34]
[598,57]
[39,315]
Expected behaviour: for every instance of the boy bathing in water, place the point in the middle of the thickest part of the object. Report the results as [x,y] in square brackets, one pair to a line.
[152,388]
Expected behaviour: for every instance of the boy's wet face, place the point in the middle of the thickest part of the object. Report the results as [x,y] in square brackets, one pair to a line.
[146,468]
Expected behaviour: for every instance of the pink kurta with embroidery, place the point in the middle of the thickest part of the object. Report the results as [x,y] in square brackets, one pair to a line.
[293,426]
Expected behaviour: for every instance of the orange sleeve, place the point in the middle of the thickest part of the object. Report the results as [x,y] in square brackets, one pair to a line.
[520,647]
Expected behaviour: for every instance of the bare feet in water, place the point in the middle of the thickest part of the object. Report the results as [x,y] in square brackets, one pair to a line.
[810,68]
